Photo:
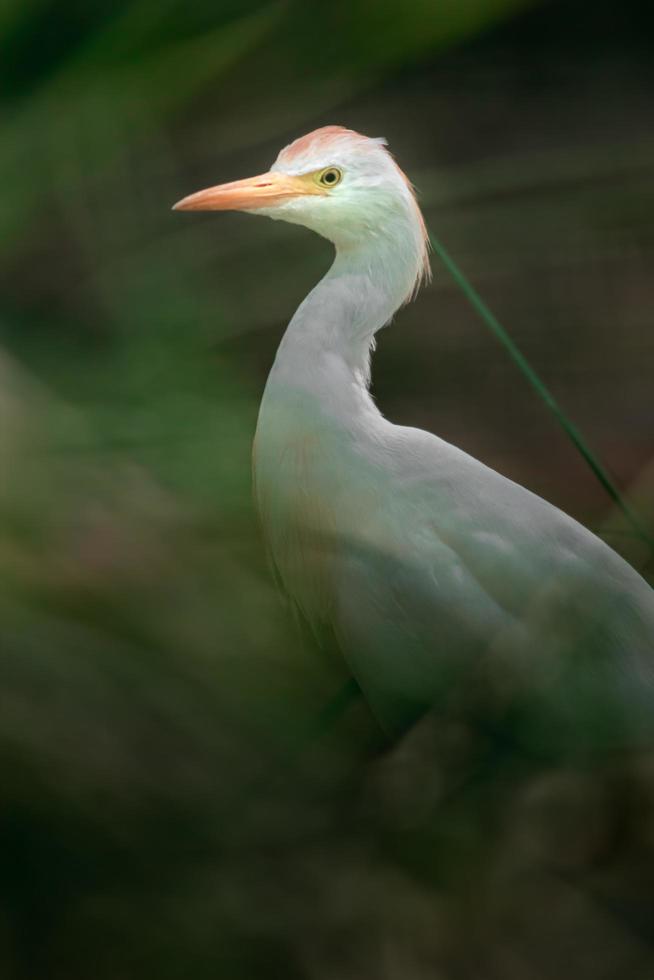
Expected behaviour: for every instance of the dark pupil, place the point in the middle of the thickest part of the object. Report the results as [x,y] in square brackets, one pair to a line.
[329,177]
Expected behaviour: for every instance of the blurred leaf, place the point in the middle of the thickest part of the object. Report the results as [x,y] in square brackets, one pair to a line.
[366,34]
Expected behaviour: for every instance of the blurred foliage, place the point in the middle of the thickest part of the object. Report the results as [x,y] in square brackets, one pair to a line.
[171,804]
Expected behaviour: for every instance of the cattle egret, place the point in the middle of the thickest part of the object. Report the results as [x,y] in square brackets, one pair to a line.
[431,570]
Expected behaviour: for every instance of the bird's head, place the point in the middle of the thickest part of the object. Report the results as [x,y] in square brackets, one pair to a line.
[342,185]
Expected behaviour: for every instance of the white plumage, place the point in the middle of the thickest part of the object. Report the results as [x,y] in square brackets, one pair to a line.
[432,571]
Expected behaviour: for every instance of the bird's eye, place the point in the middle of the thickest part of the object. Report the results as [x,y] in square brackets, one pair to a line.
[330,177]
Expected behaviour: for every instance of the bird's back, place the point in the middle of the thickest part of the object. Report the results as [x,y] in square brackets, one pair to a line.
[481,578]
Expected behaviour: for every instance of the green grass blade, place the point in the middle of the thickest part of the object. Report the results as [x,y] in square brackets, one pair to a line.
[540,388]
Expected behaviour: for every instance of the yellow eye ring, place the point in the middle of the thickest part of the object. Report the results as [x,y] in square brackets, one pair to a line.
[330,177]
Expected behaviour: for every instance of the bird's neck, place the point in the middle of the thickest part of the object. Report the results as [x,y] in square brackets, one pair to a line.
[318,425]
[333,330]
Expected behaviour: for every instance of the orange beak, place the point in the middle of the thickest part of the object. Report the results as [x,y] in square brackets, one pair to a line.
[264,191]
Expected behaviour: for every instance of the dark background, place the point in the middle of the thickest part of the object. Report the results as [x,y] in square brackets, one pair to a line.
[167,808]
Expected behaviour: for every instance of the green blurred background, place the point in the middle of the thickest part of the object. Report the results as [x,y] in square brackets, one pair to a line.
[173,803]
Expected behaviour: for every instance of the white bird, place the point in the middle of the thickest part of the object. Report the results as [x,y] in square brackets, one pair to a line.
[434,573]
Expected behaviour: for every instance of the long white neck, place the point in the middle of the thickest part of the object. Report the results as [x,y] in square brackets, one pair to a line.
[327,345]
[318,426]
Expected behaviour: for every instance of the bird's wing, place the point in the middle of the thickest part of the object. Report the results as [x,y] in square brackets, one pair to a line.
[479,578]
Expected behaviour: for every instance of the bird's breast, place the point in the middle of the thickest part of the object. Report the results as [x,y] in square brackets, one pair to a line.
[313,498]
